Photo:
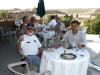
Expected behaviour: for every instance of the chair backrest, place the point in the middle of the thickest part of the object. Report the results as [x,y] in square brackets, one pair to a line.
[17,32]
[21,53]
[84,29]
[1,30]
[5,29]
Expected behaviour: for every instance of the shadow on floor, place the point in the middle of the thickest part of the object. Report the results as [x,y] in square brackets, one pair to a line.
[8,54]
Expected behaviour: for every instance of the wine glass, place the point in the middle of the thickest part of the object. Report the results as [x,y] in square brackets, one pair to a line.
[64,45]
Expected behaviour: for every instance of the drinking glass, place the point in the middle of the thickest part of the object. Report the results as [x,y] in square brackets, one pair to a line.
[64,45]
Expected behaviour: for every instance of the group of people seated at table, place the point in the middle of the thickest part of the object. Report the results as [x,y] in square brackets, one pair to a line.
[55,24]
[30,45]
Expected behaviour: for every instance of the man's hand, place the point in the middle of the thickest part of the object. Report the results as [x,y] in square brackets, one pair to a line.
[18,47]
[62,36]
[21,37]
[41,49]
[79,46]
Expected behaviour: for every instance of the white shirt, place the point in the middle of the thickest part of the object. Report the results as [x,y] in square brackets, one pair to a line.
[36,25]
[79,38]
[52,23]
[30,45]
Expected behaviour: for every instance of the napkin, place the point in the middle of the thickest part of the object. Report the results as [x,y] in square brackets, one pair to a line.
[40,55]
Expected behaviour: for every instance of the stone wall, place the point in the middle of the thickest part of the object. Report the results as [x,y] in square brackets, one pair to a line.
[9,23]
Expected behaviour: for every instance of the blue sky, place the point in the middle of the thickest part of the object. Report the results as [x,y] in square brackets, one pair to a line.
[49,4]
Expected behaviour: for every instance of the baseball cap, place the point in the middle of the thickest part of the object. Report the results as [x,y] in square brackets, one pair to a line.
[30,27]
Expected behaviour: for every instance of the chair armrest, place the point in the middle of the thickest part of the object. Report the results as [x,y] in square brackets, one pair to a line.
[25,56]
[10,67]
[94,66]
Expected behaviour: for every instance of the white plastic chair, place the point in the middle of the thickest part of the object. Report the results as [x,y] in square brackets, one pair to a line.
[84,29]
[17,33]
[92,62]
[3,33]
[33,67]
[94,66]
[10,67]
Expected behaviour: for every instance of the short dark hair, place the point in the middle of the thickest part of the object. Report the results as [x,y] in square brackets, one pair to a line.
[58,18]
[24,18]
[75,21]
[52,17]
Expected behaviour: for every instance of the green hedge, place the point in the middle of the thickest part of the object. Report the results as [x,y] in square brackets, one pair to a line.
[67,20]
[93,25]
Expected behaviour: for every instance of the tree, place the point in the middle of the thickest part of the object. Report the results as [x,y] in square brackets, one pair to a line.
[67,19]
[3,14]
[93,25]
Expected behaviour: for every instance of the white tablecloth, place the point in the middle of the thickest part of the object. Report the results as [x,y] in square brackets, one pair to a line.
[53,62]
[46,35]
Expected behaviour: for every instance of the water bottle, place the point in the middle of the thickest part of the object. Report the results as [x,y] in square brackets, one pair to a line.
[74,46]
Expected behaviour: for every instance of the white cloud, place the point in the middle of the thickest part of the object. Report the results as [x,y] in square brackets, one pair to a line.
[49,4]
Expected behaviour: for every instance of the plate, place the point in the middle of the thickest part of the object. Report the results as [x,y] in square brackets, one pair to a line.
[68,56]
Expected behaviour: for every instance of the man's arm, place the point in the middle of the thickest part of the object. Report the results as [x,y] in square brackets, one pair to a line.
[62,26]
[41,49]
[18,46]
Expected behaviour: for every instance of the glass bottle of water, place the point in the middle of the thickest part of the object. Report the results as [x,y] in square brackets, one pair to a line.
[73,46]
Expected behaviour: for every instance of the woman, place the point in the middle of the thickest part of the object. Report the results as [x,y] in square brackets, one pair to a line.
[33,23]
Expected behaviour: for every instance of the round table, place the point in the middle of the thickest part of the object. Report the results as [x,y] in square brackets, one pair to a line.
[58,66]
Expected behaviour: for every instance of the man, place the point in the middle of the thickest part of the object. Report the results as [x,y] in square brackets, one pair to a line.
[29,44]
[52,23]
[25,20]
[75,36]
[59,26]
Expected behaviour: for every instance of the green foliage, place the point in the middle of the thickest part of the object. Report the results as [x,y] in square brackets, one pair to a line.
[93,25]
[17,17]
[3,14]
[10,16]
[67,20]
